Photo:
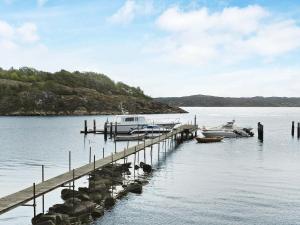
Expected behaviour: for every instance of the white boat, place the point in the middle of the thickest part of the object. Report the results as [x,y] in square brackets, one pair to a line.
[229,130]
[133,137]
[150,129]
[127,123]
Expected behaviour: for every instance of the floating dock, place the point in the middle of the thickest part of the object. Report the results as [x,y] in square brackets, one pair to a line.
[20,198]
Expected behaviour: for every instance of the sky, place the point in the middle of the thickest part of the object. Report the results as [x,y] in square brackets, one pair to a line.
[237,48]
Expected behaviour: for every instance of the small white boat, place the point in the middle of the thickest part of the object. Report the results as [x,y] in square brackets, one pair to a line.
[229,130]
[133,137]
[150,129]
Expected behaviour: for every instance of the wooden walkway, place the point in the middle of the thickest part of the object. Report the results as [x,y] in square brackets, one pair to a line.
[12,201]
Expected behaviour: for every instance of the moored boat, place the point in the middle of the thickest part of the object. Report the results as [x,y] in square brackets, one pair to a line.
[127,123]
[209,139]
[132,137]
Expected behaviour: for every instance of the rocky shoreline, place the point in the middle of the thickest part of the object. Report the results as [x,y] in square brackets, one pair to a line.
[86,204]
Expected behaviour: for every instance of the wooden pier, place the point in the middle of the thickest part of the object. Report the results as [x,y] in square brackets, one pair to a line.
[12,201]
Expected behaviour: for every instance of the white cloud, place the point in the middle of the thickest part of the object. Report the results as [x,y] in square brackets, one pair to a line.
[6,31]
[130,10]
[199,36]
[41,2]
[28,32]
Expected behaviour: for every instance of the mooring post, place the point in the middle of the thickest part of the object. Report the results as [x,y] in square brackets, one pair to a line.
[90,155]
[43,197]
[116,131]
[70,160]
[260,131]
[94,126]
[73,188]
[195,123]
[105,131]
[85,127]
[293,128]
[298,130]
[103,152]
[110,130]
[34,201]
[124,155]
[94,163]
[144,151]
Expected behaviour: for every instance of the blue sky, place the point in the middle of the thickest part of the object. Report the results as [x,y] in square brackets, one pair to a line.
[168,48]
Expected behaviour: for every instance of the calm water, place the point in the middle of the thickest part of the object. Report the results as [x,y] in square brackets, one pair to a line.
[239,181]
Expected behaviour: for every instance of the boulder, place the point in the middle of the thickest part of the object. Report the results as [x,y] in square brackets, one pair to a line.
[134,188]
[68,193]
[43,218]
[109,202]
[49,222]
[97,212]
[136,167]
[146,167]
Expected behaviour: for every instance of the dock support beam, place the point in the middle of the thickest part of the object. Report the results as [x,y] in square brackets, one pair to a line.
[85,127]
[105,131]
[260,131]
[94,126]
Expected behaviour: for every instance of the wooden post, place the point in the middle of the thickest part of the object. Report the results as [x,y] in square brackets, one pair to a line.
[105,131]
[94,126]
[195,123]
[43,197]
[94,163]
[116,130]
[34,201]
[73,188]
[110,130]
[85,127]
[260,131]
[90,155]
[298,130]
[103,152]
[134,163]
[293,128]
[144,151]
[69,160]
[115,146]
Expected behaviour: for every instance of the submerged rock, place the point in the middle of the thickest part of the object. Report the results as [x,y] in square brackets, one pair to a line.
[134,188]
[146,167]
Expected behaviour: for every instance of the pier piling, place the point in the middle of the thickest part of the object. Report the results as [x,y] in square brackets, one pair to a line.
[110,130]
[293,128]
[94,126]
[260,131]
[298,130]
[85,127]
[105,131]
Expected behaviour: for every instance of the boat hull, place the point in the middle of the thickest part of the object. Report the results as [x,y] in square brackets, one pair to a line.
[225,134]
[209,139]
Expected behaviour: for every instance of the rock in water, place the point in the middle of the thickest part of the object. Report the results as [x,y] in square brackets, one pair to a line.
[146,167]
[134,188]
[109,202]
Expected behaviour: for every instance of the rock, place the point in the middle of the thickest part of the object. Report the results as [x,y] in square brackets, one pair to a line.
[61,208]
[97,212]
[146,167]
[134,188]
[83,208]
[136,167]
[49,222]
[122,193]
[96,197]
[43,218]
[68,193]
[109,202]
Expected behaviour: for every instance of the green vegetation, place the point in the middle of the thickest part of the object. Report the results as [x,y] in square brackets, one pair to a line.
[27,91]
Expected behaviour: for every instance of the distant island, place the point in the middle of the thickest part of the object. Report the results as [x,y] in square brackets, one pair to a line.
[213,101]
[27,91]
